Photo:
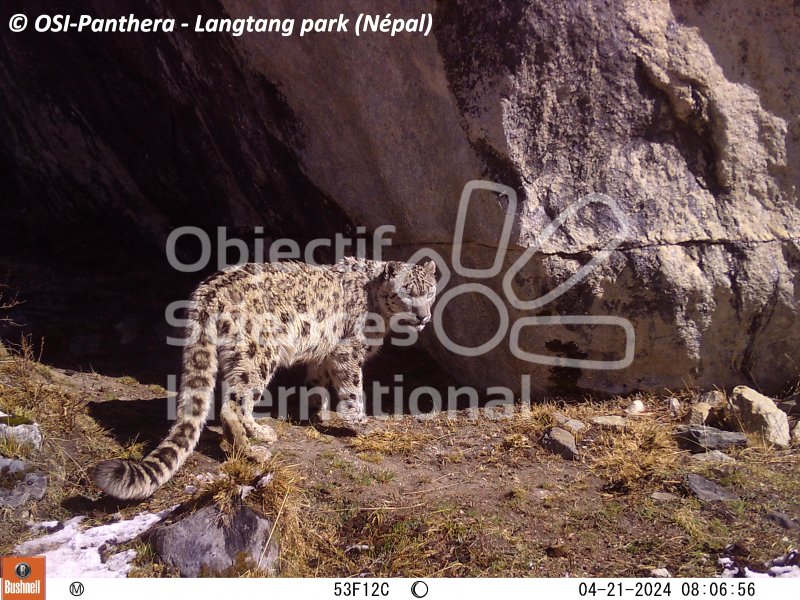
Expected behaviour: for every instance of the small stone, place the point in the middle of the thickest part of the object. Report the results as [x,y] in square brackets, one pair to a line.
[703,438]
[662,572]
[556,551]
[636,408]
[264,481]
[796,434]
[356,548]
[705,489]
[754,413]
[202,541]
[712,398]
[698,414]
[573,425]
[23,434]
[712,456]
[19,484]
[190,489]
[609,422]
[781,519]
[561,442]
[664,497]
[674,406]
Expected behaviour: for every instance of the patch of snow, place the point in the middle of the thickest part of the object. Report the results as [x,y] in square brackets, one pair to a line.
[784,566]
[793,571]
[75,552]
[45,525]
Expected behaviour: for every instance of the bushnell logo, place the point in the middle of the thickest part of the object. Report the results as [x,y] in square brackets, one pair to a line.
[23,577]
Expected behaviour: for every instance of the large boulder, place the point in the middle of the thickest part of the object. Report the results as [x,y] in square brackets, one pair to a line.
[682,115]
[211,543]
[754,413]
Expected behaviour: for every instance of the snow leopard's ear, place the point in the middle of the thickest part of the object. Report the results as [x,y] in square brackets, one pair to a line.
[430,267]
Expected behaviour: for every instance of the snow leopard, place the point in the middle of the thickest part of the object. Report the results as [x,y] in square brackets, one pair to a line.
[247,321]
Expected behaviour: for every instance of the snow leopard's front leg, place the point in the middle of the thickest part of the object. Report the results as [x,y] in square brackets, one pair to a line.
[317,381]
[345,370]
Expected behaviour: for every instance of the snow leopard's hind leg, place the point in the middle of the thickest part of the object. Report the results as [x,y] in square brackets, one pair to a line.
[244,383]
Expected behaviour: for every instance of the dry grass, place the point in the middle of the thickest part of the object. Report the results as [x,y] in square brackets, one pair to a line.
[72,441]
[407,541]
[532,421]
[388,442]
[11,448]
[8,300]
[645,452]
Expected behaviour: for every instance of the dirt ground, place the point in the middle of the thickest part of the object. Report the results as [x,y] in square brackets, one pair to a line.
[462,494]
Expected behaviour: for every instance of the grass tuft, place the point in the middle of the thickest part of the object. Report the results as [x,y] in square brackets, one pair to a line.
[645,452]
[389,442]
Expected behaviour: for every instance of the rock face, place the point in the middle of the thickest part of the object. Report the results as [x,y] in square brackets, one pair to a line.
[683,114]
[200,542]
[754,413]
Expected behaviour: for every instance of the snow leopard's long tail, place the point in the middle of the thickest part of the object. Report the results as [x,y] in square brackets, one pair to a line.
[134,480]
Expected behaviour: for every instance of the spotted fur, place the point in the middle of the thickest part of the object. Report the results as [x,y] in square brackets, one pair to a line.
[248,321]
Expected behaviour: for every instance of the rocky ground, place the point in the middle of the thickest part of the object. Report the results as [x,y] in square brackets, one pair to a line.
[617,488]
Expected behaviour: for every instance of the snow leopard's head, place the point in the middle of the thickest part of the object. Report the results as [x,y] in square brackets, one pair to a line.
[408,291]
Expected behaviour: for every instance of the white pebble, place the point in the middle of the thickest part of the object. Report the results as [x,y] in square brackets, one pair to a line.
[636,407]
